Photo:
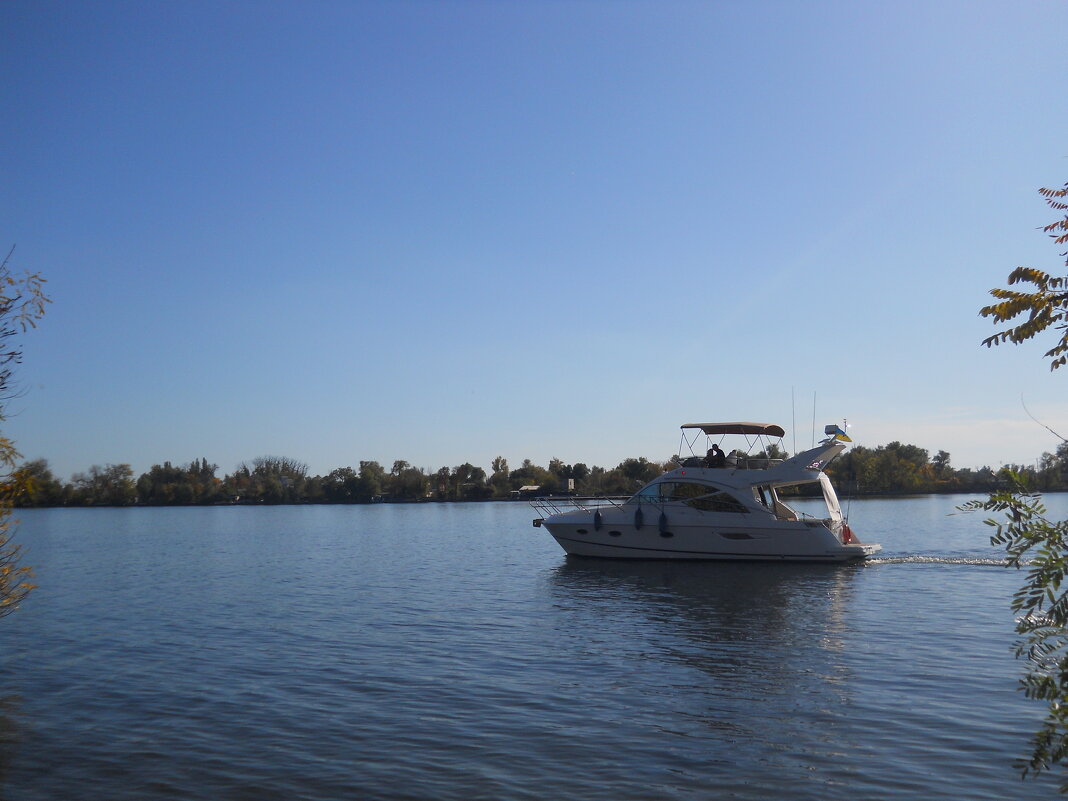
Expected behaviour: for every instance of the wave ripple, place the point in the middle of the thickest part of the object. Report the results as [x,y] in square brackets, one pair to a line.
[937,560]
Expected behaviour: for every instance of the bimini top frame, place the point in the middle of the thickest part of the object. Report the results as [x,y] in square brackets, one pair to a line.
[754,434]
[753,429]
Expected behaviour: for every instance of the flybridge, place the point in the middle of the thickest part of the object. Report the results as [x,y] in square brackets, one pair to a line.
[757,437]
[758,430]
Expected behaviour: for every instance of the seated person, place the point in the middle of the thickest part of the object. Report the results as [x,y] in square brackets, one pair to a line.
[715,457]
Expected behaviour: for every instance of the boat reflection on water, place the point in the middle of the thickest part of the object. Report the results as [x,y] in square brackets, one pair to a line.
[744,667]
[723,600]
[762,632]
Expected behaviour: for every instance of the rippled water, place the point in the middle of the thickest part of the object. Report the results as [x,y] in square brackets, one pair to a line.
[453,652]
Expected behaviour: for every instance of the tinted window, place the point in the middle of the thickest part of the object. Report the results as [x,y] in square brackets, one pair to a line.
[669,491]
[699,496]
[683,491]
[651,494]
[718,502]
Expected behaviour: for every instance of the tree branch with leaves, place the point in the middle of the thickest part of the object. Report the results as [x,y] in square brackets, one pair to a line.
[1040,545]
[1022,528]
[22,304]
[1047,305]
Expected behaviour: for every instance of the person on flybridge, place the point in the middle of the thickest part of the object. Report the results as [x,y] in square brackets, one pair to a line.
[715,457]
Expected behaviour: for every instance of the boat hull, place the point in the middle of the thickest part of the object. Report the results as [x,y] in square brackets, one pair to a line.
[789,542]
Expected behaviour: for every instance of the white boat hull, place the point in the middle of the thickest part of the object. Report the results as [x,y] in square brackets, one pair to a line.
[782,541]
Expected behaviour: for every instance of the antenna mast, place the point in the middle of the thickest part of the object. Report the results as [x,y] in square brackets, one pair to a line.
[813,445]
[793,417]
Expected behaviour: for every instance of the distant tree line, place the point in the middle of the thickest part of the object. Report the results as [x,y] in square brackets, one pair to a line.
[907,469]
[275,480]
[886,469]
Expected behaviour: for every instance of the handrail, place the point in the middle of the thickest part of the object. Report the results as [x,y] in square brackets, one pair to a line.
[548,505]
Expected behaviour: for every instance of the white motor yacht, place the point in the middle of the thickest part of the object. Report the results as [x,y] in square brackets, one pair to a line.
[723,505]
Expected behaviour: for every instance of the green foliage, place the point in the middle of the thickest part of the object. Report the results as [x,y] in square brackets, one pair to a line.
[640,471]
[469,482]
[39,486]
[1023,528]
[499,483]
[407,483]
[269,479]
[110,485]
[940,465]
[341,486]
[1046,305]
[165,485]
[896,468]
[464,482]
[22,304]
[14,578]
[370,482]
[531,475]
[1031,540]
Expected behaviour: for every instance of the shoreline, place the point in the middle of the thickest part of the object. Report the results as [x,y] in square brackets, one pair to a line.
[443,502]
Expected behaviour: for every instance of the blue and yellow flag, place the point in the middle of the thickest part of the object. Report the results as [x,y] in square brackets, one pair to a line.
[837,433]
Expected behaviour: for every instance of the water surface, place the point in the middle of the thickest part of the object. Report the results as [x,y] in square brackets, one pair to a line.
[453,652]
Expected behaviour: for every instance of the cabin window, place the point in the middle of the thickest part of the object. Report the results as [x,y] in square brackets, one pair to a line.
[698,496]
[718,502]
[684,491]
[651,494]
[703,497]
[670,491]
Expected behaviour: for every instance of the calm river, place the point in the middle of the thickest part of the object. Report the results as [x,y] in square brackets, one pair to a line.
[453,652]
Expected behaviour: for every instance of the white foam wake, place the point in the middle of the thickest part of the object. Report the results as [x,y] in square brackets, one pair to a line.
[936,560]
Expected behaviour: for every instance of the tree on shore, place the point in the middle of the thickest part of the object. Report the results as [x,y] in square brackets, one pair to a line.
[268,479]
[341,486]
[110,485]
[499,481]
[40,487]
[1030,539]
[167,485]
[370,483]
[22,304]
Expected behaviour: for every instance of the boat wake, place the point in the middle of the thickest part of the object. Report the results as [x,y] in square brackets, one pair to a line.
[936,560]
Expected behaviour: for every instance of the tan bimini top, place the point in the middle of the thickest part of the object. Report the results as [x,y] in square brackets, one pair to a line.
[769,429]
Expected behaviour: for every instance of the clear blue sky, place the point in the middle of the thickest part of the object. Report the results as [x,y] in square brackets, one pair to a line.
[443,231]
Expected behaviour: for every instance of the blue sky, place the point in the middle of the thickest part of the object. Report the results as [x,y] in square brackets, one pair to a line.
[443,231]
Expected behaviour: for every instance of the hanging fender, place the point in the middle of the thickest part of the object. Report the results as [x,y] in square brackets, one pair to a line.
[597,523]
[639,519]
[663,522]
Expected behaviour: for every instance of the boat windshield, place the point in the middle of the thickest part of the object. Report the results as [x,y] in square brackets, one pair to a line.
[693,494]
